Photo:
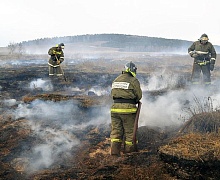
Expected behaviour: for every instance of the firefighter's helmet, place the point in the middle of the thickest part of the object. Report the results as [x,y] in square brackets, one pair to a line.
[131,68]
[204,38]
[61,45]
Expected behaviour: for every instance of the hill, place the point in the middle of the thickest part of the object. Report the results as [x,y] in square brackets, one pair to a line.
[128,43]
[101,45]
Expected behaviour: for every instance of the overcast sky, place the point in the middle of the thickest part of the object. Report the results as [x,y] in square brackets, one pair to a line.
[23,20]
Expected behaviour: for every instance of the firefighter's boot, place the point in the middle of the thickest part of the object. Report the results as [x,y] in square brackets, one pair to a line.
[115,148]
[129,149]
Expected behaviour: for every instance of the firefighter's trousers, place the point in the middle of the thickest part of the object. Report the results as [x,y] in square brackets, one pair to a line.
[122,127]
[197,69]
[55,71]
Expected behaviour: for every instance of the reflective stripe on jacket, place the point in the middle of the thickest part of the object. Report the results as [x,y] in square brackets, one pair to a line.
[127,87]
[208,47]
[132,110]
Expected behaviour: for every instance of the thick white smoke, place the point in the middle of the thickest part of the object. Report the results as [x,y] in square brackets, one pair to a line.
[55,143]
[54,124]
[176,105]
[161,80]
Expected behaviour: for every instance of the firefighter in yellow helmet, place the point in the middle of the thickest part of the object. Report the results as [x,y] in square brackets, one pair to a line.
[126,93]
[56,58]
[204,55]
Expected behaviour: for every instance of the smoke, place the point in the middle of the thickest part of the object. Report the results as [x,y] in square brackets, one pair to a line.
[50,112]
[100,91]
[45,85]
[17,63]
[55,143]
[56,125]
[164,111]
[9,102]
[176,106]
[163,80]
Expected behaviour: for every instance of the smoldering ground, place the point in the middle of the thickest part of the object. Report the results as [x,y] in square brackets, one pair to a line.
[59,127]
[56,123]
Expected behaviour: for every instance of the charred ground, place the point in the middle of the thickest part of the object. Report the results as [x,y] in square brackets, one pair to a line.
[160,153]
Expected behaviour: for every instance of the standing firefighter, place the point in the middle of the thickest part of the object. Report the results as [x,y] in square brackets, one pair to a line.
[57,57]
[126,93]
[204,55]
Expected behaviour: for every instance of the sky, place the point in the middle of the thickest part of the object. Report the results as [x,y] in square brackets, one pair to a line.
[23,20]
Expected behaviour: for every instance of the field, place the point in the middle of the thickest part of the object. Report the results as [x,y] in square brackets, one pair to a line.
[57,128]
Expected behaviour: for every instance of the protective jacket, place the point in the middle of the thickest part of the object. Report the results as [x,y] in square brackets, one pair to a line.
[126,93]
[56,58]
[56,54]
[204,59]
[207,48]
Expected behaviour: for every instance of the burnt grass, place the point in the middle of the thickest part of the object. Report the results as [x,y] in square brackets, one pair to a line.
[89,159]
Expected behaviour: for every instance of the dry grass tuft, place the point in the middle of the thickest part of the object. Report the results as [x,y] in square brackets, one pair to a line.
[194,146]
[204,122]
[84,101]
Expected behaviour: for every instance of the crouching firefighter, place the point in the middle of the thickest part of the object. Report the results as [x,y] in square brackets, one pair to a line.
[204,55]
[126,93]
[56,58]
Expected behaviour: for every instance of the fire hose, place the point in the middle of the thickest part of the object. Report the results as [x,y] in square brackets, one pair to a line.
[136,126]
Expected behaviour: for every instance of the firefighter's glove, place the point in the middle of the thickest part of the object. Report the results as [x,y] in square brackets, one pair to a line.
[212,67]
[58,62]
[193,54]
[212,63]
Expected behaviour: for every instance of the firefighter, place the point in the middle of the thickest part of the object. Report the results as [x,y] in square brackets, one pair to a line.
[126,93]
[204,55]
[56,58]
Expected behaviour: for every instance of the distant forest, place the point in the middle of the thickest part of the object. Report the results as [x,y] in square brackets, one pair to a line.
[128,43]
